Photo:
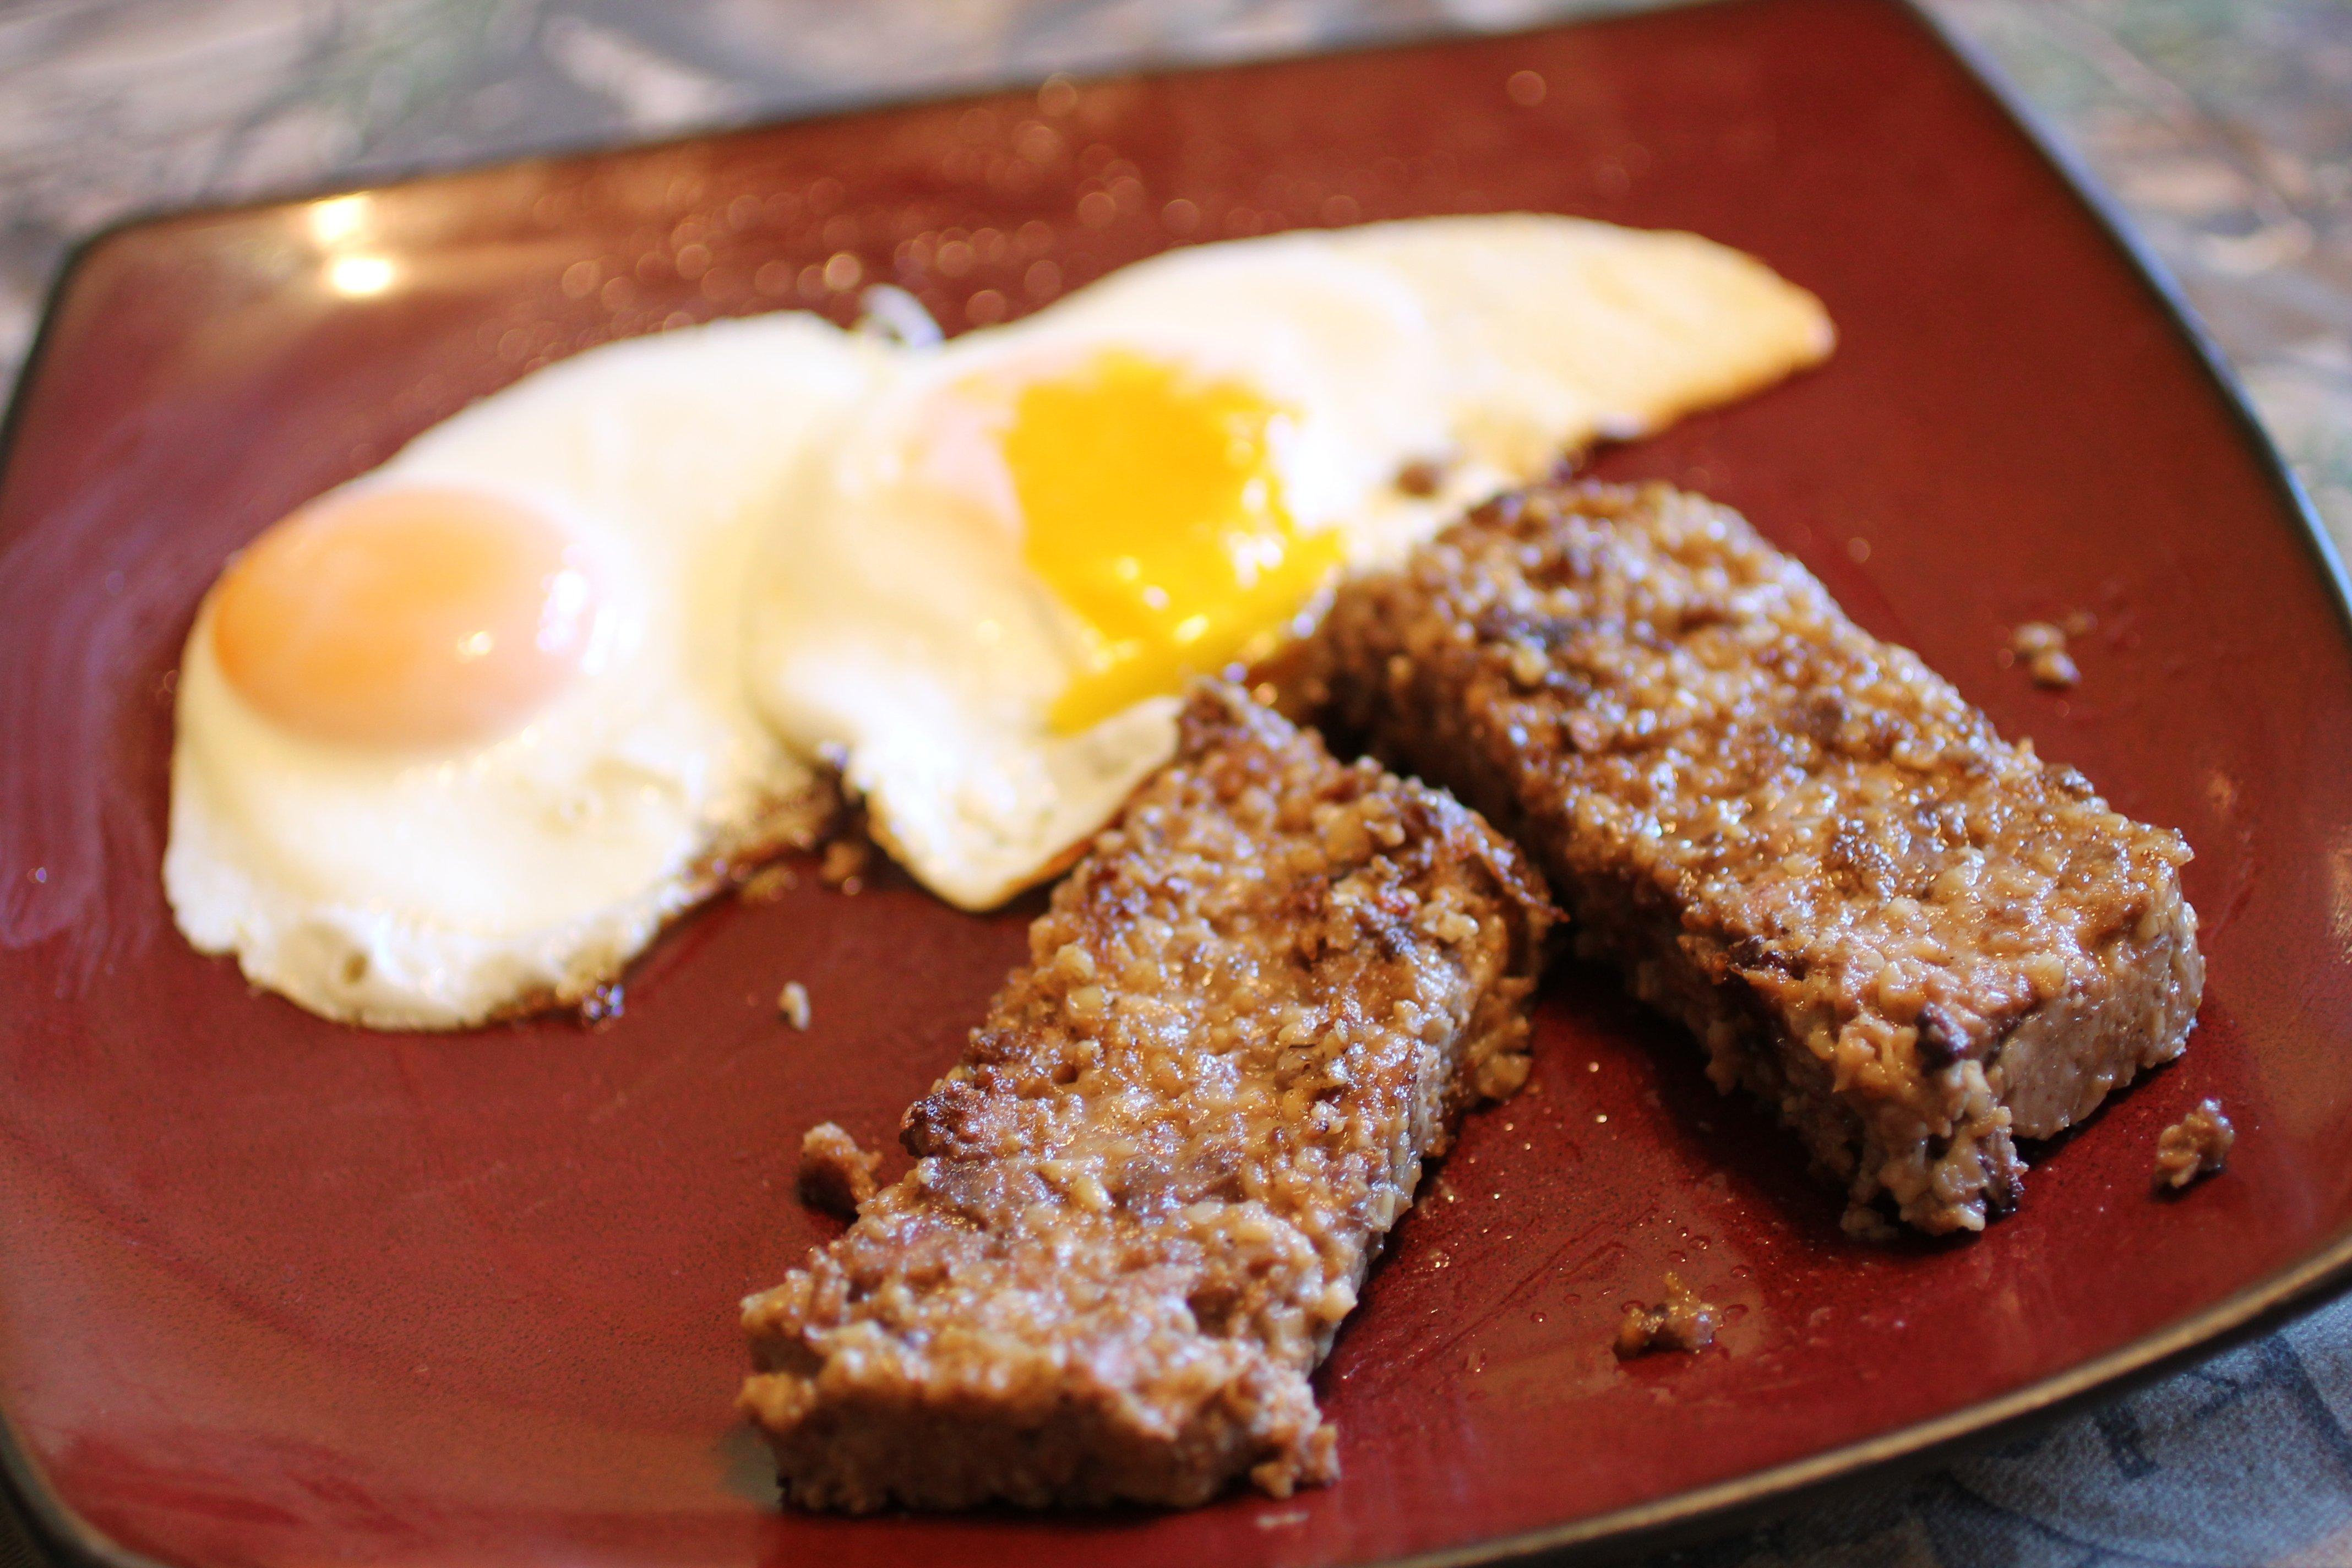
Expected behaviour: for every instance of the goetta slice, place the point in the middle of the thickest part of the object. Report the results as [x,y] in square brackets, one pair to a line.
[1147,1197]
[1915,940]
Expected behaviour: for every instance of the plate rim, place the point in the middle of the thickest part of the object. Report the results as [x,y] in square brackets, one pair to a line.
[1684,1518]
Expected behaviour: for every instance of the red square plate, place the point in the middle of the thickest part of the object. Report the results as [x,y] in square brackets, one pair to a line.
[274,1292]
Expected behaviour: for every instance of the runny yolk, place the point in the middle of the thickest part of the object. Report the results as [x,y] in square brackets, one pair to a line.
[1152,506]
[407,618]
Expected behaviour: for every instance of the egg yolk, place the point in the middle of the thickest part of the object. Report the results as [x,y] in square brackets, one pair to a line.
[1152,506]
[408,618]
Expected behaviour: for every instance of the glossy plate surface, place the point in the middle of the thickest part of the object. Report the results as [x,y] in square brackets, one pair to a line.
[274,1292]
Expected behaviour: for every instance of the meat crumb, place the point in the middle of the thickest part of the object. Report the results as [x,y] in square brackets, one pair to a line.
[793,1004]
[2042,648]
[836,1174]
[767,884]
[844,866]
[1680,1322]
[1422,477]
[2196,1145]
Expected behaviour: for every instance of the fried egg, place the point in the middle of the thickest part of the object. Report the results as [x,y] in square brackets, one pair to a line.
[456,739]
[985,595]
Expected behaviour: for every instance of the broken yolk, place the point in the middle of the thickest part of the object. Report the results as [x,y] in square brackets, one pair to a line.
[1152,506]
[410,618]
